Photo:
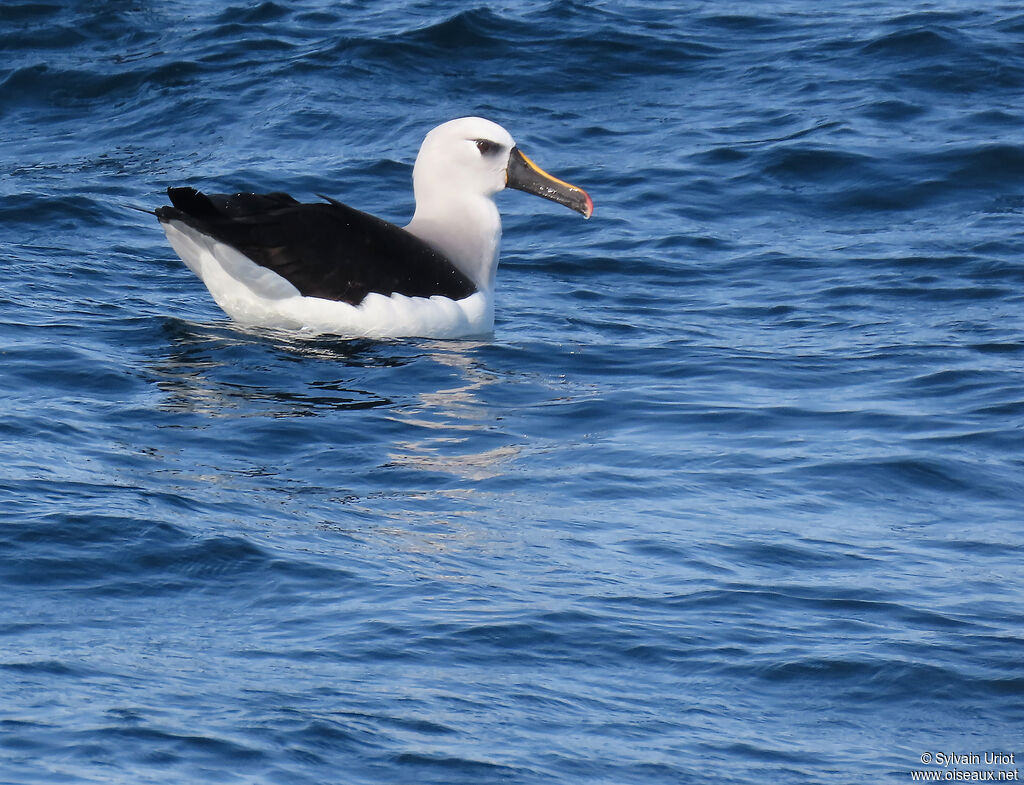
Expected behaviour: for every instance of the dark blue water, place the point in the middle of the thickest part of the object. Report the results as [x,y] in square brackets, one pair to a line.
[735,493]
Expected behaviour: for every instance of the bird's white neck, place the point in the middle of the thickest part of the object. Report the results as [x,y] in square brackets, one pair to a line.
[466,229]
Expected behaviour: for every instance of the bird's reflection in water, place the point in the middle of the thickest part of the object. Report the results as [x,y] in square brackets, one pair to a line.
[394,456]
[222,370]
[454,425]
[431,388]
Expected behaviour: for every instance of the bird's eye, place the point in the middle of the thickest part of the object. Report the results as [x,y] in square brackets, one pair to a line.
[487,147]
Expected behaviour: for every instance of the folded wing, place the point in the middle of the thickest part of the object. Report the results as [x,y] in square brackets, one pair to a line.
[327,249]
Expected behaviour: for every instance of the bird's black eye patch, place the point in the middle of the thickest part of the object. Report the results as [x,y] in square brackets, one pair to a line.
[487,147]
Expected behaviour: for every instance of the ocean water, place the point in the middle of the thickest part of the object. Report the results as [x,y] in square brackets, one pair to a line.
[734,493]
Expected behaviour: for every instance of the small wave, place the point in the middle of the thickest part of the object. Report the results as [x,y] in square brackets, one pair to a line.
[914,43]
[744,22]
[807,163]
[887,680]
[257,14]
[57,88]
[905,477]
[989,166]
[475,37]
[943,59]
[45,668]
[456,766]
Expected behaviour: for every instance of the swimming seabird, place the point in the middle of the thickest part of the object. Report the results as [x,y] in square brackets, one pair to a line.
[325,267]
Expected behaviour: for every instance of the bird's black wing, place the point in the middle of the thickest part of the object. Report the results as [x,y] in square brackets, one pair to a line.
[326,250]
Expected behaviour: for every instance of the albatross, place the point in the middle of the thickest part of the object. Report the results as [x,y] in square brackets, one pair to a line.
[271,261]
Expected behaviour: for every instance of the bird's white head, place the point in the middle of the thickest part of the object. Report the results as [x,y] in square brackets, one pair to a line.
[469,155]
[461,165]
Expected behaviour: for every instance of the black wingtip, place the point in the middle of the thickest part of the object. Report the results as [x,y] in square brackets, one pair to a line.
[192,202]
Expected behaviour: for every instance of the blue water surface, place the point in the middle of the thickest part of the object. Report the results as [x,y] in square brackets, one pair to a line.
[734,493]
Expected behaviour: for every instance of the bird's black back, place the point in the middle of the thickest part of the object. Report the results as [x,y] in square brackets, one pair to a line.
[325,249]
